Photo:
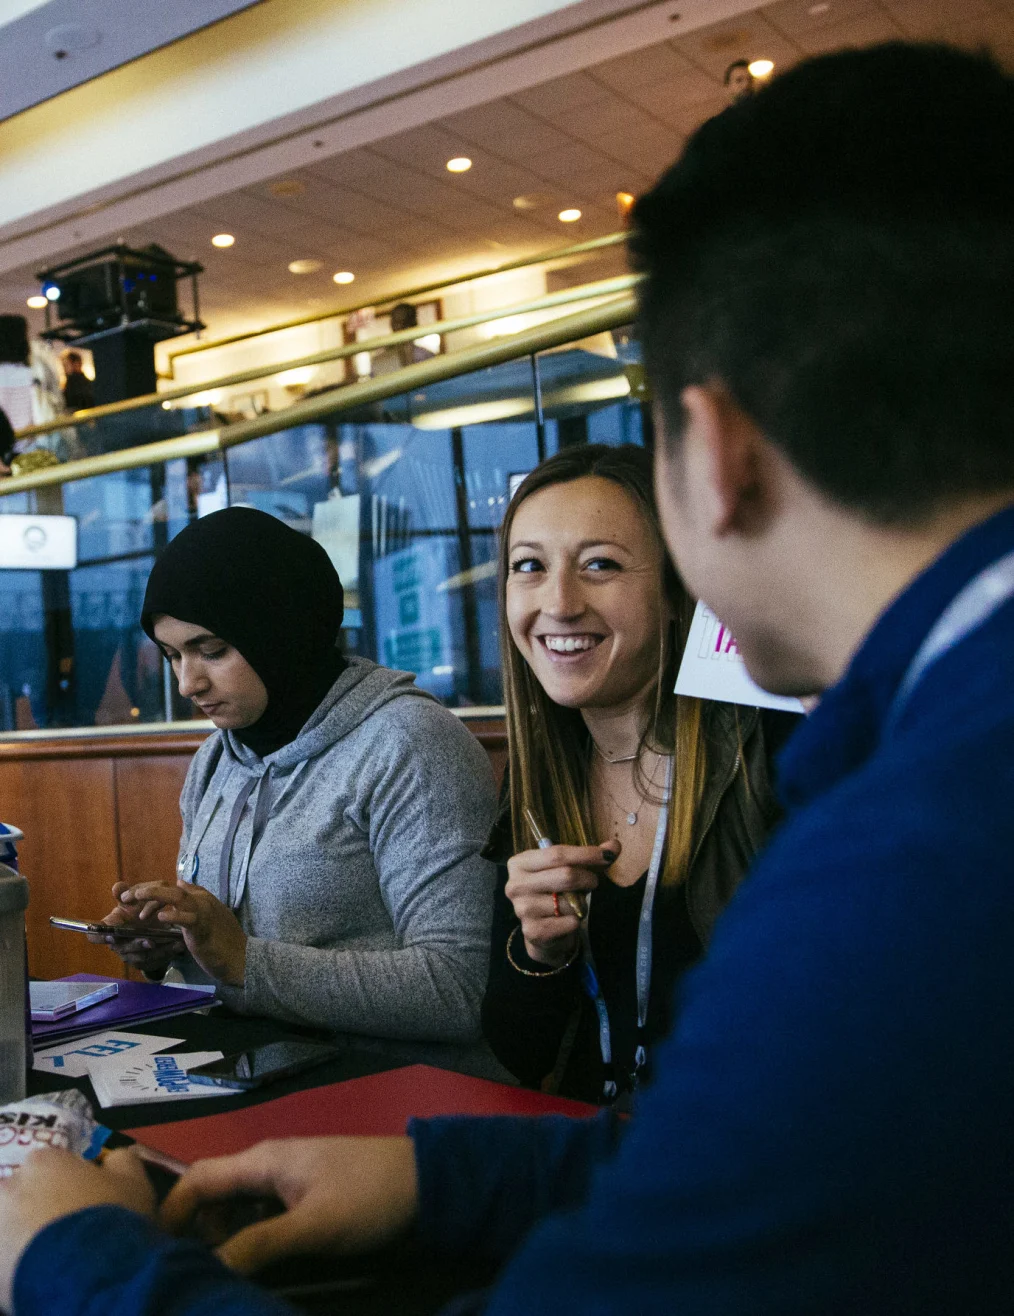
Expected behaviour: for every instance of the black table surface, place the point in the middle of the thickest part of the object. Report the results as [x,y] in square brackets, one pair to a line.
[220,1030]
[401,1281]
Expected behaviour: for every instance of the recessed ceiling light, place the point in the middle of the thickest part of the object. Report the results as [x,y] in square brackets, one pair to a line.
[532,201]
[222,240]
[761,68]
[37,303]
[815,10]
[569,216]
[308,266]
[459,165]
[344,276]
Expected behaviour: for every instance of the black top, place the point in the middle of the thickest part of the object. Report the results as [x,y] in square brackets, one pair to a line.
[6,438]
[78,393]
[552,1005]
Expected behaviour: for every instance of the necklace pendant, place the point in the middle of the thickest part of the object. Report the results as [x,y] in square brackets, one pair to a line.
[631,819]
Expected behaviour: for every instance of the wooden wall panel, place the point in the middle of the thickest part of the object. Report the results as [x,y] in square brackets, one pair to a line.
[148,815]
[96,810]
[69,855]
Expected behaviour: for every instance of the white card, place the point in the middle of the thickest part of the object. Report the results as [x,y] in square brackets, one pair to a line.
[130,1080]
[73,1059]
[713,669]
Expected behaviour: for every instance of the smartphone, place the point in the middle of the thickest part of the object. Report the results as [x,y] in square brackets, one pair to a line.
[120,931]
[262,1064]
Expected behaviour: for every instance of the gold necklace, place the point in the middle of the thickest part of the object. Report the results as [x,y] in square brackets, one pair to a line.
[631,814]
[629,758]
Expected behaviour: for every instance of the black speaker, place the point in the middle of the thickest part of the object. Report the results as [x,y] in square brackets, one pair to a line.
[117,286]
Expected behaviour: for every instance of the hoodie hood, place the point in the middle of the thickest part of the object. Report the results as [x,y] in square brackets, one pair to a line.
[359,691]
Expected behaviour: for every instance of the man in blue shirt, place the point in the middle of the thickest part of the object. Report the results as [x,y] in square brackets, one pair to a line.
[829,324]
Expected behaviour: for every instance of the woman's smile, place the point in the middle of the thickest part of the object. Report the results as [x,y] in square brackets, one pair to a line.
[563,647]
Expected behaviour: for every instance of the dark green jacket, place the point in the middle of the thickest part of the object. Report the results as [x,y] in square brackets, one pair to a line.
[543,1028]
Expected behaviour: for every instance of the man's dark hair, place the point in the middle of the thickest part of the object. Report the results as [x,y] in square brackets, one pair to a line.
[403,316]
[736,64]
[838,251]
[14,348]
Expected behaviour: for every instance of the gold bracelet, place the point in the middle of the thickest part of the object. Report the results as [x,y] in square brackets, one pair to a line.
[531,973]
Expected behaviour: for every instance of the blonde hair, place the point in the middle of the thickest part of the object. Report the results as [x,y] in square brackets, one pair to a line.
[549,746]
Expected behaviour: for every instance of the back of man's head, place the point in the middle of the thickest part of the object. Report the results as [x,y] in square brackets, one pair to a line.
[838,252]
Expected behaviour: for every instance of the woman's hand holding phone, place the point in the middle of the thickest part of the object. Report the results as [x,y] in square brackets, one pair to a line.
[549,926]
[210,930]
[152,958]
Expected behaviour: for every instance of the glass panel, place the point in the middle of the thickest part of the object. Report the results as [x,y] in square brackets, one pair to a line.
[406,495]
[592,391]
[423,480]
[127,429]
[71,650]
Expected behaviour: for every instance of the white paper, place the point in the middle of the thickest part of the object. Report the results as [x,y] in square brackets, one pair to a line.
[73,1059]
[712,668]
[131,1080]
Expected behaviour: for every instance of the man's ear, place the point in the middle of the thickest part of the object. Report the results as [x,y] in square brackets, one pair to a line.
[724,454]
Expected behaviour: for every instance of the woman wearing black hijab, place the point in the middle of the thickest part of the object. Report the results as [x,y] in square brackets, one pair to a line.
[329,869]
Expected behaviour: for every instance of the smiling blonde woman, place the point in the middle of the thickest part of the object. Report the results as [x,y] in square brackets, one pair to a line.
[616,786]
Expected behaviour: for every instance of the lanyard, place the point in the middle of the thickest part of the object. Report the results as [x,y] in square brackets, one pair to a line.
[971,608]
[189,864]
[642,957]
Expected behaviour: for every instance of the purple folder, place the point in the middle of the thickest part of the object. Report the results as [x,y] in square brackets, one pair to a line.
[136,1003]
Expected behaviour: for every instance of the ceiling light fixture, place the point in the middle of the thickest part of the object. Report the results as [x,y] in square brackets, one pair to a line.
[309,265]
[344,276]
[222,240]
[459,165]
[38,303]
[569,216]
[761,68]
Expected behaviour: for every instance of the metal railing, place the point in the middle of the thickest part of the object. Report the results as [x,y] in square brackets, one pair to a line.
[612,314]
[586,292]
[390,299]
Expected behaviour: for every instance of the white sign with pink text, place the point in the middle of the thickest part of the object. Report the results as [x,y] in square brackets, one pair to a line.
[713,669]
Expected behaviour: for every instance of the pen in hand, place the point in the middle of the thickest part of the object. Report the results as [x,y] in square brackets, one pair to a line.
[573,898]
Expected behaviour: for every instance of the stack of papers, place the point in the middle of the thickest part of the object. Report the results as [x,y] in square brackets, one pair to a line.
[135,1003]
[130,1081]
[73,1059]
[126,1069]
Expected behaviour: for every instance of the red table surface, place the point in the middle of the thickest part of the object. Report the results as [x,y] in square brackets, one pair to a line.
[378,1104]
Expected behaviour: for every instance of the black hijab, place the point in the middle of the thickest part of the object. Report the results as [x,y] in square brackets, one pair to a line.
[271,593]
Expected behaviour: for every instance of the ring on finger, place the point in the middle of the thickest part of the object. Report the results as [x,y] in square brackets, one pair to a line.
[556,905]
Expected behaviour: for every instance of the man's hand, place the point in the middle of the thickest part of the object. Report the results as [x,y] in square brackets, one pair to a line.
[52,1184]
[211,931]
[344,1195]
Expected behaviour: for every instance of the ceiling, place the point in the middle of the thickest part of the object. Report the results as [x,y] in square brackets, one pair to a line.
[48,48]
[391,213]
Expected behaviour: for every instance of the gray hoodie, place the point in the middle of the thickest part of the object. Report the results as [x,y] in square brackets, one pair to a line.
[351,858]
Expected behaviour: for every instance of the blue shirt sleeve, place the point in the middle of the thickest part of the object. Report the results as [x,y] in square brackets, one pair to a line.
[110,1262]
[483,1183]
